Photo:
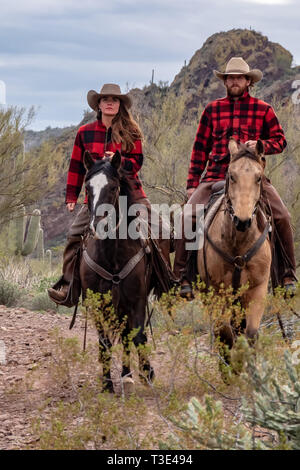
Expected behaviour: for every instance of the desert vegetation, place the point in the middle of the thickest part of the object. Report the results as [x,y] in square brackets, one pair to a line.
[189,405]
[197,400]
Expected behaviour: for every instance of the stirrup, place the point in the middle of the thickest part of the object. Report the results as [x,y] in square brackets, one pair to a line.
[290,290]
[186,292]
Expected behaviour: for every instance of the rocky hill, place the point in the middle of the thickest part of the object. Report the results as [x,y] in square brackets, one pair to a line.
[197,84]
[35,138]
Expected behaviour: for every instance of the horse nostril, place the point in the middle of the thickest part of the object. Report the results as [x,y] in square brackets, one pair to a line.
[241,225]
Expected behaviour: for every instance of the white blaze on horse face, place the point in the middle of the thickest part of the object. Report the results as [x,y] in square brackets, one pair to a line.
[97,183]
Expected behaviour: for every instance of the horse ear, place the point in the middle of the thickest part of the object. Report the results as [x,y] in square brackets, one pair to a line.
[116,160]
[88,160]
[233,147]
[260,149]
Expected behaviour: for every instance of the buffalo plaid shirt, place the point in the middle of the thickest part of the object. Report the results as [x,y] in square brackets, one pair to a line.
[246,118]
[96,138]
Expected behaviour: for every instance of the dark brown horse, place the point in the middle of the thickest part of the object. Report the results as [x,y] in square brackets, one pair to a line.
[123,266]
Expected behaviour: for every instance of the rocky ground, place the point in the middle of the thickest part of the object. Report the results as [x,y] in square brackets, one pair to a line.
[32,373]
[26,344]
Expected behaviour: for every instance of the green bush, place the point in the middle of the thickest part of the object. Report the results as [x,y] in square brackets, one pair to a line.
[42,302]
[9,293]
[45,282]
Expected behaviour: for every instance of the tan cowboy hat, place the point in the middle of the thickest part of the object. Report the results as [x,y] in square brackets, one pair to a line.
[109,89]
[237,66]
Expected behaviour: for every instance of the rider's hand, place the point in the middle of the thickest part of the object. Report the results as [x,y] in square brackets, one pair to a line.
[190,192]
[251,144]
[71,206]
[109,154]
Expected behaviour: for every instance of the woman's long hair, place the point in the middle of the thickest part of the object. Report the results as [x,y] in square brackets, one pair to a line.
[124,128]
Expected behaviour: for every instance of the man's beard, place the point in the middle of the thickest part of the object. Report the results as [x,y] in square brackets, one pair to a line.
[235,91]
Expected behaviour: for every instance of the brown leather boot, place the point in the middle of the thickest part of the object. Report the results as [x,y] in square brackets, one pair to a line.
[60,293]
[186,291]
[289,287]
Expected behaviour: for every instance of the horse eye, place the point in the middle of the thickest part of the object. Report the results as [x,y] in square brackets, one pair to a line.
[232,179]
[258,179]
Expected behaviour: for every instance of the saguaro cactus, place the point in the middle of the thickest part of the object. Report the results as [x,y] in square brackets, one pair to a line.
[25,245]
[18,226]
[49,257]
[40,245]
[31,239]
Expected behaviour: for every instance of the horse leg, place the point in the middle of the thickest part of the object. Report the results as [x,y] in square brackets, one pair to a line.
[226,342]
[255,301]
[136,321]
[146,370]
[126,372]
[105,358]
[127,382]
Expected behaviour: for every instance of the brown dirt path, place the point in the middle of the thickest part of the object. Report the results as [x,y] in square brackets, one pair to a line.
[25,377]
[28,343]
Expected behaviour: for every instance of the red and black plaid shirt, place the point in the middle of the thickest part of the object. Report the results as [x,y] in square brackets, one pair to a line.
[246,118]
[96,138]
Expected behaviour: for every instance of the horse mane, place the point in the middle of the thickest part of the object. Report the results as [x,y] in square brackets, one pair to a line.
[245,151]
[125,188]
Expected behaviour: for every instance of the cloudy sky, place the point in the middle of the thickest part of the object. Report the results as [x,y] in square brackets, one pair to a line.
[53,51]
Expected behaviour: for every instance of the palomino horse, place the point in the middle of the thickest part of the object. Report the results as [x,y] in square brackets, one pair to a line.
[121,264]
[236,248]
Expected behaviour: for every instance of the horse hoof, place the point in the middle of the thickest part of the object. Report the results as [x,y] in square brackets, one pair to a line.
[127,384]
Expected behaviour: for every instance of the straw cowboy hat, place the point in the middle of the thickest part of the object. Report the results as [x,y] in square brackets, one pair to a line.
[237,66]
[109,89]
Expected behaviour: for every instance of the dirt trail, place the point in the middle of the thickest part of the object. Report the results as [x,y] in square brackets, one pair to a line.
[28,350]
[26,343]
[27,353]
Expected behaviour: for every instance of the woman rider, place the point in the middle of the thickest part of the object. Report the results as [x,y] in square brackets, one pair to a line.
[114,129]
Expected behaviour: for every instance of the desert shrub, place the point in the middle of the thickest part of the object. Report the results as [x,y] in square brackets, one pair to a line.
[188,406]
[204,427]
[86,419]
[45,282]
[276,403]
[41,301]
[9,293]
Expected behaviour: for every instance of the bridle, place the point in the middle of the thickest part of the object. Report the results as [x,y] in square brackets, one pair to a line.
[228,204]
[115,278]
